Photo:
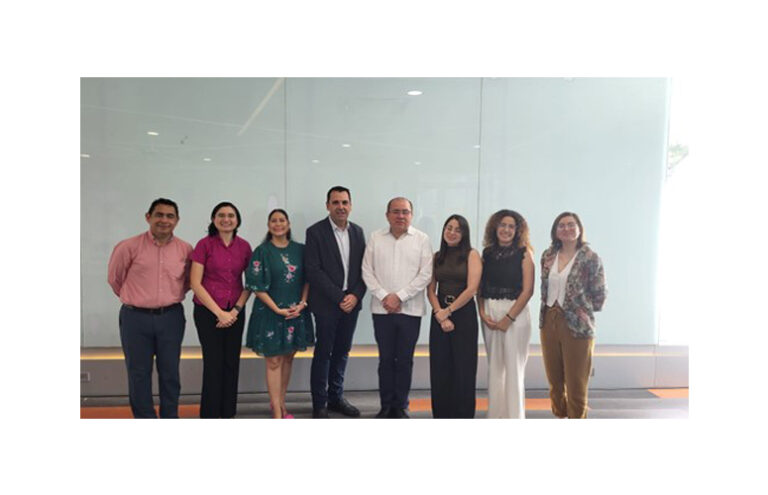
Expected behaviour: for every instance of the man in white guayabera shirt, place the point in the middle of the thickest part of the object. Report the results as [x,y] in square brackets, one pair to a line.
[397,267]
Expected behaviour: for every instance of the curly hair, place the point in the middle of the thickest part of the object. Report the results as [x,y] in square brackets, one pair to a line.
[521,239]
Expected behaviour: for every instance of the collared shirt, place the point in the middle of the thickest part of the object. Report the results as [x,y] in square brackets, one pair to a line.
[147,275]
[342,240]
[398,265]
[223,268]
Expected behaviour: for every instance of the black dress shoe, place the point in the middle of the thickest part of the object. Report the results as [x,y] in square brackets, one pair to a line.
[345,408]
[320,413]
[385,412]
[399,414]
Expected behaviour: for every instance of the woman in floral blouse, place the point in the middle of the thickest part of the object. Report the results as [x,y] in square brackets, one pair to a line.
[572,289]
[279,324]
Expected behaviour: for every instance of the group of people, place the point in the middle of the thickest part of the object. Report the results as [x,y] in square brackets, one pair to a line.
[328,276]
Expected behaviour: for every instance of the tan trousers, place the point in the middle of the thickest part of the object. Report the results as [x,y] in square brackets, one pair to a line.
[568,363]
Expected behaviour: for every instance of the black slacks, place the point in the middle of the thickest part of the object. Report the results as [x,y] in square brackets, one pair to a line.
[396,336]
[453,365]
[221,363]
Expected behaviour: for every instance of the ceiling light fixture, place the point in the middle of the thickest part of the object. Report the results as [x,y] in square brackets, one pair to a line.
[345,145]
[206,159]
[153,133]
[315,161]
[477,146]
[414,92]
[84,155]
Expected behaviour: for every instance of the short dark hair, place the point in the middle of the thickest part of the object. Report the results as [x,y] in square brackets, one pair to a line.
[556,243]
[163,201]
[522,236]
[395,199]
[340,189]
[269,234]
[212,230]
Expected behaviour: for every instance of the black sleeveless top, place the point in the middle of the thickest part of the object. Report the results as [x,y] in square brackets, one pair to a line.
[502,272]
[451,274]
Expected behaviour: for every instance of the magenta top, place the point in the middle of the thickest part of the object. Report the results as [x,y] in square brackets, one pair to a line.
[223,268]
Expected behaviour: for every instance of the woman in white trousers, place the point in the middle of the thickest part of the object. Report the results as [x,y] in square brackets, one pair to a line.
[505,289]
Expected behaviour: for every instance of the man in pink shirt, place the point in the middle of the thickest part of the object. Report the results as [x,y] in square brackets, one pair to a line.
[150,274]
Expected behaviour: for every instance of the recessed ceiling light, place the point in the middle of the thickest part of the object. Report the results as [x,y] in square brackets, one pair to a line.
[414,92]
[153,133]
[84,155]
[315,161]
[345,145]
[477,146]
[206,159]
[417,163]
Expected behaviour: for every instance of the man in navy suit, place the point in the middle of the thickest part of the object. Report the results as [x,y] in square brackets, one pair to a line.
[332,258]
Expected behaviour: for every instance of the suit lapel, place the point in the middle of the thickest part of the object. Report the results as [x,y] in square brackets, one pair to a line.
[333,245]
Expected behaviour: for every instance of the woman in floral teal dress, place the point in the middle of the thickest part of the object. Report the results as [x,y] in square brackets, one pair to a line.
[279,324]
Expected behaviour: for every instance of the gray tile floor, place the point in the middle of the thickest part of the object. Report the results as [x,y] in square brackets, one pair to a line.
[603,404]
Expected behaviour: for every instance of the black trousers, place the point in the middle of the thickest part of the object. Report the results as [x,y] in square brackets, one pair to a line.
[334,332]
[221,363]
[453,365]
[396,336]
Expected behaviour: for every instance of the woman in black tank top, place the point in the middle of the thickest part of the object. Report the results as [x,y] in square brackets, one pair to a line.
[453,331]
[506,287]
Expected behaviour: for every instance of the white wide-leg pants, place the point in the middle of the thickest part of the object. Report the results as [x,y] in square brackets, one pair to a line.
[507,354]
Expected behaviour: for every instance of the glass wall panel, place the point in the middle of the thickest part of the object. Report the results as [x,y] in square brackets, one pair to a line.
[216,140]
[595,147]
[371,136]
[468,146]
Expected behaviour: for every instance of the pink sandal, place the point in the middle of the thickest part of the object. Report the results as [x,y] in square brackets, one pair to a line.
[285,416]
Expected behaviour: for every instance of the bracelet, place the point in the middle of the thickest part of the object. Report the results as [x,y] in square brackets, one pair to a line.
[238,308]
[510,318]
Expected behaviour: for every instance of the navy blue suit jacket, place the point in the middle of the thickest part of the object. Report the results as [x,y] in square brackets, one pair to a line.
[324,270]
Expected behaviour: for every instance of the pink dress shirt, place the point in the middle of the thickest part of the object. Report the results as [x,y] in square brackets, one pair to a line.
[147,275]
[223,268]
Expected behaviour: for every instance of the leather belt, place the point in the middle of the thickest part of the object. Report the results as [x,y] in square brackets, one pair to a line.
[152,311]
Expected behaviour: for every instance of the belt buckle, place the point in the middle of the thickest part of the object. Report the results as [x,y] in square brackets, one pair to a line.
[448,300]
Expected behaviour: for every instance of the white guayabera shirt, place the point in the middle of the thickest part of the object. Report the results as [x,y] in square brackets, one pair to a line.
[398,265]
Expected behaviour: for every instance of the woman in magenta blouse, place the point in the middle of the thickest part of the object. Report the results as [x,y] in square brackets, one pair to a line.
[216,278]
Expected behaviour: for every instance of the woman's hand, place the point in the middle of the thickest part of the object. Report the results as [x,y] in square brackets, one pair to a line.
[442,315]
[226,318]
[503,324]
[295,310]
[491,324]
[447,325]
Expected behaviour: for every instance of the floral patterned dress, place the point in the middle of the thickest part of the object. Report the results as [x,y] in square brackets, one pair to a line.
[280,273]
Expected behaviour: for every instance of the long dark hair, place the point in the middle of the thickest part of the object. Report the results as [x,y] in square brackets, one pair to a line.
[464,246]
[556,243]
[521,239]
[212,230]
[268,237]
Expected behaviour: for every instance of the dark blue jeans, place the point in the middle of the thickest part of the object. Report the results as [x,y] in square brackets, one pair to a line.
[148,338]
[334,339]
[396,336]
